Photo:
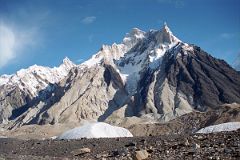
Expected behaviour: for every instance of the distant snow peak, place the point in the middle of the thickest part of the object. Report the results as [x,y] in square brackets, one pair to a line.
[4,79]
[67,61]
[66,65]
[36,78]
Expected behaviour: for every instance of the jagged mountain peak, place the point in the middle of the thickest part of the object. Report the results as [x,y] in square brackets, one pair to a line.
[4,79]
[165,27]
[157,46]
[133,37]
[67,64]
[66,60]
[165,35]
[136,32]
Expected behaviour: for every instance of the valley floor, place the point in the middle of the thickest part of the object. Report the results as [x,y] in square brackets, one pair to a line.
[225,145]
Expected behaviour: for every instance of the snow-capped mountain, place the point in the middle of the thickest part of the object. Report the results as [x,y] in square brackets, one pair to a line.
[28,84]
[138,50]
[151,75]
[37,78]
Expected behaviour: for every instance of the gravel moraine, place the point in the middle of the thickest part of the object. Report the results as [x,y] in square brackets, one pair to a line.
[224,145]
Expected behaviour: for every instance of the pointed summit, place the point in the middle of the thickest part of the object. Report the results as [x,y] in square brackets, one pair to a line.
[165,25]
[166,36]
[68,63]
[66,60]
[166,28]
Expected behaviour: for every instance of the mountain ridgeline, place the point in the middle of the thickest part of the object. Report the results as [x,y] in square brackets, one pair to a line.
[151,75]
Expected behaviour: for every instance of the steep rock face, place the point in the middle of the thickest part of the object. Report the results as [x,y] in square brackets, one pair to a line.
[189,79]
[152,75]
[209,81]
[11,98]
[85,94]
[90,95]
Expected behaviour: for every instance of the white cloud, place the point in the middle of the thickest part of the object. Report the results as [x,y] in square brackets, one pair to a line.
[90,38]
[88,20]
[227,35]
[176,3]
[7,45]
[13,42]
[80,60]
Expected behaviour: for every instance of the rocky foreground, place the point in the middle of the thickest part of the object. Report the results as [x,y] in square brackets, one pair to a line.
[225,145]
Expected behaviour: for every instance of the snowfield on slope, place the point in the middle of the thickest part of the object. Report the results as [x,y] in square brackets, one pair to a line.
[95,130]
[230,126]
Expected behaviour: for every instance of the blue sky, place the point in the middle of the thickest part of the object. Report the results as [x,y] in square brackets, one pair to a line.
[43,32]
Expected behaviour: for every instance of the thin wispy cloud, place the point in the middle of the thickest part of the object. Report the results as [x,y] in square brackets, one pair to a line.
[13,42]
[227,35]
[88,20]
[90,38]
[175,3]
[80,60]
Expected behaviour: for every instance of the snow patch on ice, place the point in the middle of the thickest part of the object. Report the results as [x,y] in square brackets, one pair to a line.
[230,126]
[95,130]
